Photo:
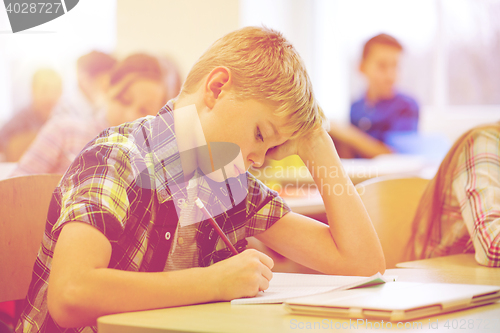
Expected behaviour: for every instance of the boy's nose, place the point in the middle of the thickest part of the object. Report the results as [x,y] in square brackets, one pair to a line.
[255,163]
[257,159]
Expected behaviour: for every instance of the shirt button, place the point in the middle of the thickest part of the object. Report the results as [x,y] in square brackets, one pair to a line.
[180,240]
[167,235]
[181,203]
[163,194]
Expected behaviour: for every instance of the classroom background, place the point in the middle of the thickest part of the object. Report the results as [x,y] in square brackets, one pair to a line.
[449,65]
[450,61]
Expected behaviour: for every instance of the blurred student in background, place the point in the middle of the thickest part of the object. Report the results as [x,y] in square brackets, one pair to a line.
[93,70]
[18,133]
[383,112]
[460,209]
[136,89]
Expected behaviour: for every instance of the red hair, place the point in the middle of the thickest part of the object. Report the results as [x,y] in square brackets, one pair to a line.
[383,39]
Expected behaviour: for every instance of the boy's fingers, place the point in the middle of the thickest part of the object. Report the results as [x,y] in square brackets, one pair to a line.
[266,260]
[286,149]
[266,272]
[264,284]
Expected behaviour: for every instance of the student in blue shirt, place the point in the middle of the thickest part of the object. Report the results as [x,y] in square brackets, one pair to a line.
[383,111]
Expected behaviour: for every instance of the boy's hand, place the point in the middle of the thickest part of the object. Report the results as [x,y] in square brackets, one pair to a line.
[242,275]
[299,146]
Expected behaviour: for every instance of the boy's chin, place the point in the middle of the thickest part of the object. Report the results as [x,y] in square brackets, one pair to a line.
[387,91]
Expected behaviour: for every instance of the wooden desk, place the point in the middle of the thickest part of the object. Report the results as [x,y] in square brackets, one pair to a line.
[358,170]
[222,317]
[465,276]
[459,268]
[306,206]
[458,261]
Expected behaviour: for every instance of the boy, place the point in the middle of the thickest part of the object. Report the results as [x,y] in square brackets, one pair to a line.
[114,241]
[383,111]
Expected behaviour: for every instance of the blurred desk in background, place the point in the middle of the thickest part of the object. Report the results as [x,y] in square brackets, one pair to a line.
[443,275]
[449,262]
[295,184]
[310,206]
[458,268]
[361,169]
[6,169]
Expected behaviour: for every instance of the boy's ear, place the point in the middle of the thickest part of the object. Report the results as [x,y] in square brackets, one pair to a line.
[218,80]
[361,67]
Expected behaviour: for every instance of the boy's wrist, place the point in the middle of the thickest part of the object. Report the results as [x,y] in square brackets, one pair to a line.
[212,281]
[317,144]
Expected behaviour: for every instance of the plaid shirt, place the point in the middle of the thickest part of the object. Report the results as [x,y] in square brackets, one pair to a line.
[474,198]
[127,183]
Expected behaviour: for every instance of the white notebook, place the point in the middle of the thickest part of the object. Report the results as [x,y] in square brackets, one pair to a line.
[284,286]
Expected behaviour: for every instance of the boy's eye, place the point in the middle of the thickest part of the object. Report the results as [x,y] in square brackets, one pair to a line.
[259,135]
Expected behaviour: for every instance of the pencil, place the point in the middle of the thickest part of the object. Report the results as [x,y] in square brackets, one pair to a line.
[215,225]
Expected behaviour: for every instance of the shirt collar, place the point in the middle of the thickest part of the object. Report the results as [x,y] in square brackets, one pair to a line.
[170,183]
[169,176]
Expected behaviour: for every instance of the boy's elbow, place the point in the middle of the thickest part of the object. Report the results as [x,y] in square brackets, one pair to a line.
[356,266]
[373,261]
[63,306]
[373,267]
[373,264]
[380,262]
[381,266]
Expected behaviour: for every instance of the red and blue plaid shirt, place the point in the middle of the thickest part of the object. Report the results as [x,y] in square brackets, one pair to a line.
[470,221]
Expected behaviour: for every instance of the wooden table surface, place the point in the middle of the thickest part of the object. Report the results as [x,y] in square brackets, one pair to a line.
[454,261]
[272,318]
[223,317]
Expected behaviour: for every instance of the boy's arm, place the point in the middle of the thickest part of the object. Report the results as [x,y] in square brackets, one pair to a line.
[82,287]
[349,245]
[361,143]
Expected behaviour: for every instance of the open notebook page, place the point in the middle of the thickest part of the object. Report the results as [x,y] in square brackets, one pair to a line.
[284,286]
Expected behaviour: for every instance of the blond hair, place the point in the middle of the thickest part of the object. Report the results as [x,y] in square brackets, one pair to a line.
[267,68]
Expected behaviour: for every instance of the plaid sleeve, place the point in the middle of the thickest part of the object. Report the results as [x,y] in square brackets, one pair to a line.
[264,207]
[477,187]
[94,190]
